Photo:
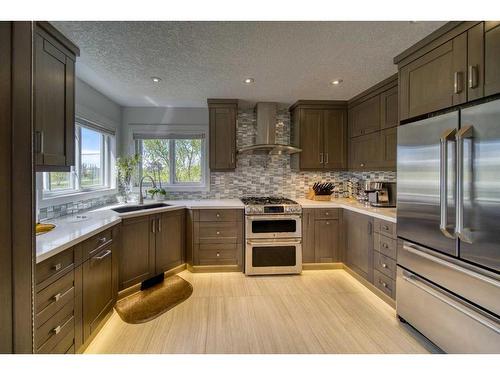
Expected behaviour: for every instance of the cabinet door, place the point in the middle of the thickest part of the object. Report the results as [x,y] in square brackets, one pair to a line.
[137,255]
[435,80]
[388,146]
[492,58]
[389,108]
[326,239]
[311,139]
[475,62]
[98,290]
[359,243]
[335,139]
[365,117]
[170,240]
[222,138]
[308,235]
[54,76]
[365,152]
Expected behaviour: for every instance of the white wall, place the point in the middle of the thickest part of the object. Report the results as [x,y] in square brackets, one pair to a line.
[96,107]
[133,118]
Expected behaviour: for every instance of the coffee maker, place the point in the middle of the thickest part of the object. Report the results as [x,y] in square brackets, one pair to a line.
[381,194]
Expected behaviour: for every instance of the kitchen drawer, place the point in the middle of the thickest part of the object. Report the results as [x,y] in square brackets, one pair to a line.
[384,264]
[213,253]
[384,283]
[385,245]
[96,243]
[385,227]
[326,213]
[221,215]
[210,232]
[56,327]
[51,269]
[65,345]
[51,299]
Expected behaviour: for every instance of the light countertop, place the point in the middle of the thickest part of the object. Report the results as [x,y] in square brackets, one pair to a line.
[388,214]
[73,229]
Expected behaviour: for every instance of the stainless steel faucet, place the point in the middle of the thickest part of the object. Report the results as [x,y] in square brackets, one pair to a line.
[141,198]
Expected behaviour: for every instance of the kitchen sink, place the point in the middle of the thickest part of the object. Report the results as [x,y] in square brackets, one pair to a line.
[122,210]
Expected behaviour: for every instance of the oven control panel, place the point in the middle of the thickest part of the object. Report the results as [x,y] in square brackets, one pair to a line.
[273,209]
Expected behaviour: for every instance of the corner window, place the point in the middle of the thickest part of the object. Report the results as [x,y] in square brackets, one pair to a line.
[177,162]
[92,170]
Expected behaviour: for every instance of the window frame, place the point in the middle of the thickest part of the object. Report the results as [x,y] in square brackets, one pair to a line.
[173,135]
[108,140]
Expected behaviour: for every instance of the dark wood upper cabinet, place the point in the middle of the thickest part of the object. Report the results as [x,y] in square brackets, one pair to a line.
[365,152]
[492,57]
[458,63]
[364,118]
[436,80]
[222,128]
[319,128]
[170,241]
[54,99]
[389,108]
[359,243]
[388,146]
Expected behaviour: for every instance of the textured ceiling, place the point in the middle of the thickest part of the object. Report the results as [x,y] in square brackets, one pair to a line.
[200,60]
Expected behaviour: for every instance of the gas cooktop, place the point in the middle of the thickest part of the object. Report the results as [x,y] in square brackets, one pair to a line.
[266,200]
[270,205]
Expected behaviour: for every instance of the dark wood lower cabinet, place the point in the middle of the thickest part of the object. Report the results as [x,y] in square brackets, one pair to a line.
[359,243]
[321,235]
[98,290]
[137,256]
[170,240]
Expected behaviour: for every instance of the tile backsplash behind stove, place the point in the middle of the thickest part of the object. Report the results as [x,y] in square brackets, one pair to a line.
[271,174]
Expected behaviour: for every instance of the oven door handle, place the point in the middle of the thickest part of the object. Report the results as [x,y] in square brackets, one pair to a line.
[273,217]
[274,243]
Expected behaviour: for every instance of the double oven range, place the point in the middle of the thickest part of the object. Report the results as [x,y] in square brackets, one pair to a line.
[273,236]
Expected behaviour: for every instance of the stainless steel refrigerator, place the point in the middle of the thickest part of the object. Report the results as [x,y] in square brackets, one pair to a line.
[448,277]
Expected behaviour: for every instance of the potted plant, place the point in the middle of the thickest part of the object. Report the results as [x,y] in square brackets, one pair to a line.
[159,194]
[126,167]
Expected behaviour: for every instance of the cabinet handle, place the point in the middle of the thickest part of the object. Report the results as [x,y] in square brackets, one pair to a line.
[362,164]
[101,240]
[385,246]
[321,158]
[326,158]
[385,227]
[217,232]
[472,76]
[57,267]
[384,265]
[457,82]
[383,284]
[327,223]
[106,253]
[159,224]
[217,214]
[218,254]
[57,297]
[369,228]
[39,142]
[327,213]
[153,226]
[56,330]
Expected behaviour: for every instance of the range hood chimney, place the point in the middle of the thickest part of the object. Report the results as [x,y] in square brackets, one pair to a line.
[265,139]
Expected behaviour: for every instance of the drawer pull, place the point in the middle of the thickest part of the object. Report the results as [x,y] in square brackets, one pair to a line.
[218,254]
[327,223]
[362,165]
[102,240]
[385,227]
[56,330]
[327,213]
[217,232]
[383,283]
[385,246]
[106,253]
[217,214]
[57,297]
[57,267]
[384,265]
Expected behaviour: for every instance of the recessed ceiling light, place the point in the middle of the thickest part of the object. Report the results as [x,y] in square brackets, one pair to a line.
[336,82]
[249,80]
[156,79]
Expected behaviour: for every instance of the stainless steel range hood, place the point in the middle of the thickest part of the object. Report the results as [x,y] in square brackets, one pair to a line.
[265,139]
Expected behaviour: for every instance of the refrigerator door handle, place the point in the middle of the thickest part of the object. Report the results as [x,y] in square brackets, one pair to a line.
[448,135]
[462,233]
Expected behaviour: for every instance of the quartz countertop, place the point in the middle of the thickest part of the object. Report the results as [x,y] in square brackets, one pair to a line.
[387,213]
[71,230]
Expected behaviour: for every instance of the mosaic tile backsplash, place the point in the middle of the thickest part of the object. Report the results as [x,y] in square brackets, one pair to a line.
[271,174]
[254,175]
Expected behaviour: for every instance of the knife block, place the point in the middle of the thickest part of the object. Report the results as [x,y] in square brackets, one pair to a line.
[312,196]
